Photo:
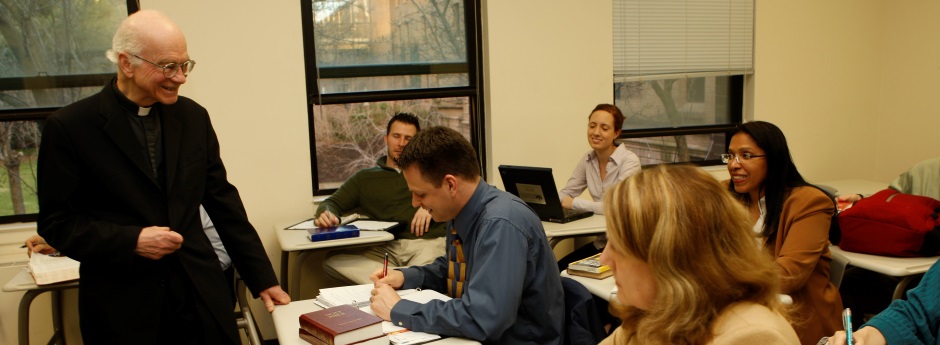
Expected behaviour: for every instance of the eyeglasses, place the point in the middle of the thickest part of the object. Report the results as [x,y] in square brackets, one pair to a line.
[169,70]
[726,157]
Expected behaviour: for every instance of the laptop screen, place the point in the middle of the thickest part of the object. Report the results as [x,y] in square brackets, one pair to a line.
[535,186]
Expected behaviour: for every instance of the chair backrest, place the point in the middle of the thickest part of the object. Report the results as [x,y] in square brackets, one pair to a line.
[243,316]
[837,268]
[583,323]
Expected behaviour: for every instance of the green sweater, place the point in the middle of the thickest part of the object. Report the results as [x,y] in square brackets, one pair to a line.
[379,193]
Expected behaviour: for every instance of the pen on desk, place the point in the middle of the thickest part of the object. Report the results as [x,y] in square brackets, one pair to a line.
[385,270]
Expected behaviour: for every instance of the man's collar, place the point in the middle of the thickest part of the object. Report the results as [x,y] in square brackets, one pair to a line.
[127,104]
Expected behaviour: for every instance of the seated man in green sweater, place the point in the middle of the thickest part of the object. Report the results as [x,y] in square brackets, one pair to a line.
[380,193]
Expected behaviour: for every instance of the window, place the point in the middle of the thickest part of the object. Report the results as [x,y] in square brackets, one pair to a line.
[367,60]
[679,68]
[51,54]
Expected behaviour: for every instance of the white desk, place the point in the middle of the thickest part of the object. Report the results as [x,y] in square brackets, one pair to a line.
[286,324]
[23,281]
[296,241]
[603,288]
[557,232]
[855,186]
[904,268]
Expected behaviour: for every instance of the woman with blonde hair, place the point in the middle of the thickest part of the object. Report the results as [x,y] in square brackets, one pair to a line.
[685,264]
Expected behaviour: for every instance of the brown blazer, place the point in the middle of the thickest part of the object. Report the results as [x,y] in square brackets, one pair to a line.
[801,250]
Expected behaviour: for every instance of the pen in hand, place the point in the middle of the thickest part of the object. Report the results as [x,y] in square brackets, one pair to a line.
[385,270]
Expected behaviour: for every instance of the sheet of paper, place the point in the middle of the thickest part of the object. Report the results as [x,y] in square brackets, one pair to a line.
[304,225]
[374,225]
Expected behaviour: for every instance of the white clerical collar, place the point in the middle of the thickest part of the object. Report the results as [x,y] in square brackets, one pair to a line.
[143,111]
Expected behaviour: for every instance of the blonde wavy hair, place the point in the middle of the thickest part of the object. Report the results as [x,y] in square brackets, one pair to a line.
[699,244]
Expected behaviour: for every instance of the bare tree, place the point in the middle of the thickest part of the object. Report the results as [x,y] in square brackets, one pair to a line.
[41,38]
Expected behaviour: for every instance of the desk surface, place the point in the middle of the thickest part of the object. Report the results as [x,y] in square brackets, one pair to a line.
[855,186]
[23,281]
[557,232]
[897,267]
[286,323]
[295,240]
[603,288]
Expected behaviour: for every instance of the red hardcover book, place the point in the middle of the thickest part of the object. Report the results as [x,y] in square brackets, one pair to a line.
[341,325]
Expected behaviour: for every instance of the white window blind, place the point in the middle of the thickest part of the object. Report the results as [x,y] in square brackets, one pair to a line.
[665,39]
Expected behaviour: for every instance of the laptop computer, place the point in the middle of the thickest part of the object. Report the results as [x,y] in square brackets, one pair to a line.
[536,186]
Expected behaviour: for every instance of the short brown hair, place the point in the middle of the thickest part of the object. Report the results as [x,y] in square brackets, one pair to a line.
[699,244]
[439,151]
[613,110]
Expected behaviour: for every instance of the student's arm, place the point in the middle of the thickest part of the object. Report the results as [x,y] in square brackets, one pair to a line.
[576,185]
[916,319]
[805,226]
[491,298]
[343,199]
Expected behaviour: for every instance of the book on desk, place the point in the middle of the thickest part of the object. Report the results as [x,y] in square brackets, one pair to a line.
[332,233]
[339,325]
[50,269]
[590,267]
[358,296]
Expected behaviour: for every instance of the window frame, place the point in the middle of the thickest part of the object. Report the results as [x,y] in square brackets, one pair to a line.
[473,91]
[736,109]
[33,114]
[738,69]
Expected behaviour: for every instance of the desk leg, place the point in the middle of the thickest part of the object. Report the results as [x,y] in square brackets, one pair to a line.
[553,241]
[58,332]
[285,256]
[295,273]
[902,286]
[24,315]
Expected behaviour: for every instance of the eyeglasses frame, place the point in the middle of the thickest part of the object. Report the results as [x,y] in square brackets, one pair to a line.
[737,158]
[166,68]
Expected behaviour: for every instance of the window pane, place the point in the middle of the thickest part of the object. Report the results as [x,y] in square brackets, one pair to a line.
[58,38]
[368,33]
[350,136]
[19,145]
[407,82]
[679,148]
[44,98]
[672,103]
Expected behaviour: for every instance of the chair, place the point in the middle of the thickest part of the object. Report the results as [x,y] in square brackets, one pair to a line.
[837,268]
[243,316]
[583,322]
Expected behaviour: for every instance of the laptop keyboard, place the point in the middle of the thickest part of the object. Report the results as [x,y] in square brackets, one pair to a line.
[570,213]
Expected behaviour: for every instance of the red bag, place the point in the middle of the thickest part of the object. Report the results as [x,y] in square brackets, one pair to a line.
[891,223]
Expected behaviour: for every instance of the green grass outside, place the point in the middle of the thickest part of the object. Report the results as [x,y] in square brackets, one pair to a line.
[27,173]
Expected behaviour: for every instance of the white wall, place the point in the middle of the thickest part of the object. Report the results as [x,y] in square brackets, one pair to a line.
[851,82]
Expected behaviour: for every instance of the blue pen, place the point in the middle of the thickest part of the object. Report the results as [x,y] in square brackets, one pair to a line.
[847,324]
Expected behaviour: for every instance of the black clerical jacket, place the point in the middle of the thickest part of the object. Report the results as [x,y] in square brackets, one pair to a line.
[95,196]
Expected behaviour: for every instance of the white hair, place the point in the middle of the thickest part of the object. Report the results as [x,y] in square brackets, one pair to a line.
[129,37]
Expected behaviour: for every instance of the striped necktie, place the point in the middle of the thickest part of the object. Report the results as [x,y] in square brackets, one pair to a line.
[457,269]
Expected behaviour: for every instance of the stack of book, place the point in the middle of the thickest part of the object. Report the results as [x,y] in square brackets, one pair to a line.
[590,267]
[340,325]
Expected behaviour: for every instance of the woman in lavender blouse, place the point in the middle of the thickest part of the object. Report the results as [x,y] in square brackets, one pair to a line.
[601,168]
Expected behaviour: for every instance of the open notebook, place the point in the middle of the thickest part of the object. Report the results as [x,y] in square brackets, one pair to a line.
[359,295]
